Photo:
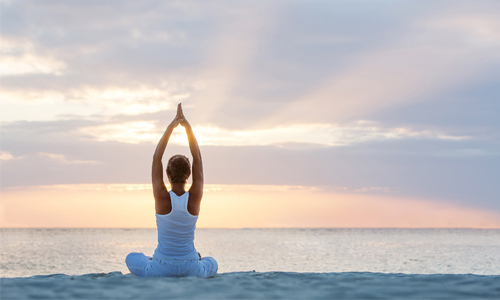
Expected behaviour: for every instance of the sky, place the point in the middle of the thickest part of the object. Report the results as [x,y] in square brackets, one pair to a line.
[308,113]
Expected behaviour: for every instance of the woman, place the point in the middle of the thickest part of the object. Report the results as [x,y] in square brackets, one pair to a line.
[176,214]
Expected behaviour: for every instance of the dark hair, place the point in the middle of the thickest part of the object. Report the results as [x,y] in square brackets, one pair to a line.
[178,168]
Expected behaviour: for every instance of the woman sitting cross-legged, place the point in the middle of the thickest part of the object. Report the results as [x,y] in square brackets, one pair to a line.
[176,214]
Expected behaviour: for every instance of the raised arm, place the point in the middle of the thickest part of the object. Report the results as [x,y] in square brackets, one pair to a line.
[196,189]
[159,190]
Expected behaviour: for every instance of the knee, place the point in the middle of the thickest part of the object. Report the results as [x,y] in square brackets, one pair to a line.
[211,266]
[137,263]
[215,265]
[131,256]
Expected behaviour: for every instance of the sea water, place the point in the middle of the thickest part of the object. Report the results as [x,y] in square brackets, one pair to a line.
[28,252]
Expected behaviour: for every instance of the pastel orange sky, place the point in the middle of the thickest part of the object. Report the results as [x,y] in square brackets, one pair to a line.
[131,206]
[324,114]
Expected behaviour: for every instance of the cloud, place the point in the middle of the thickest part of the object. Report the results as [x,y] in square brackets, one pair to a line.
[446,170]
[406,72]
[129,132]
[276,64]
[19,57]
[293,79]
[29,64]
[473,29]
[208,187]
[319,134]
[128,61]
[275,90]
[4,155]
[60,158]
[88,102]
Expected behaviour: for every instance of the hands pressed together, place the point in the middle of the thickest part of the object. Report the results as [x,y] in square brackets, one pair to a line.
[179,118]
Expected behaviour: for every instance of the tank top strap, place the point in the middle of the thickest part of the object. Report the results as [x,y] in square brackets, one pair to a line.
[179,203]
[173,200]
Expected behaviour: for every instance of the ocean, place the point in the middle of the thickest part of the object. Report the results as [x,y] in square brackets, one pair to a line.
[258,263]
[28,252]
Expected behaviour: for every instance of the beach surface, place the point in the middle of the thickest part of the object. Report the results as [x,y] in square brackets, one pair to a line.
[254,285]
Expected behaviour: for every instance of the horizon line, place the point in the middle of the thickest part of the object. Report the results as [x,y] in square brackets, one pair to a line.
[248,228]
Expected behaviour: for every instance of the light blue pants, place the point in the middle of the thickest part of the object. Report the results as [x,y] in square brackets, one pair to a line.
[141,265]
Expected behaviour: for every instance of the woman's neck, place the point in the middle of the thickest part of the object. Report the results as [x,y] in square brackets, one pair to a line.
[178,188]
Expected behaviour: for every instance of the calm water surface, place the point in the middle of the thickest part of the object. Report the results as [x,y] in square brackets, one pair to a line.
[27,252]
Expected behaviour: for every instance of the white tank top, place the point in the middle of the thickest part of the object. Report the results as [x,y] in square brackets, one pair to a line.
[176,231]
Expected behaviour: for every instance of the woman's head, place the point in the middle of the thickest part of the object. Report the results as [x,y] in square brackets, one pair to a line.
[178,169]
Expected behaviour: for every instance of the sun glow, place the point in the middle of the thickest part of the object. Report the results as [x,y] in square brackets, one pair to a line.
[319,134]
[232,206]
[130,132]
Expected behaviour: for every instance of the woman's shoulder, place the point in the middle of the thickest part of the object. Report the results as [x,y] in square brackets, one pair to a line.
[163,204]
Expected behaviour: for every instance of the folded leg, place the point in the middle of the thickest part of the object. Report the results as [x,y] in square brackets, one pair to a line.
[138,264]
[207,267]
